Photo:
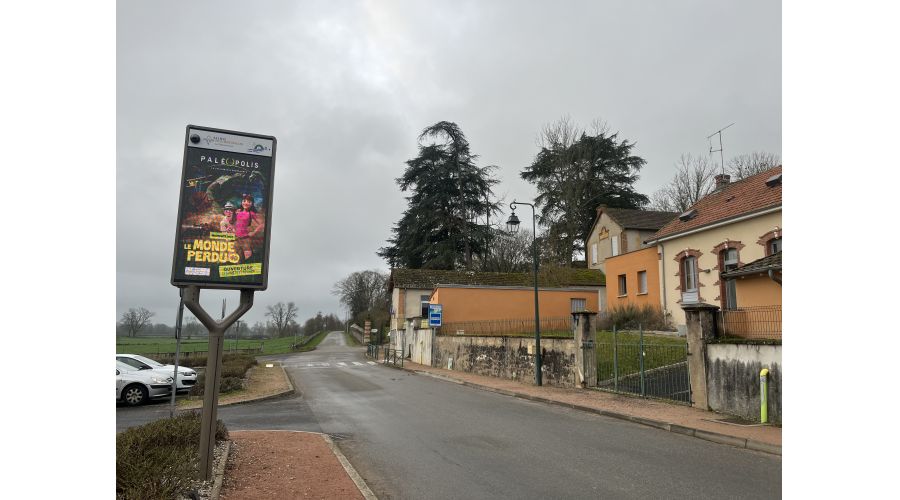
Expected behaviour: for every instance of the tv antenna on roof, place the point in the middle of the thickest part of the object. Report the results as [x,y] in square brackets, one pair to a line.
[720,150]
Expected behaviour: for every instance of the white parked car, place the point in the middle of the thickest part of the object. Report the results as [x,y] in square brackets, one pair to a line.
[134,387]
[187,377]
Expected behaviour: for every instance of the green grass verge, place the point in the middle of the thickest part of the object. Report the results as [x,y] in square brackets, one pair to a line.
[153,347]
[351,340]
[659,350]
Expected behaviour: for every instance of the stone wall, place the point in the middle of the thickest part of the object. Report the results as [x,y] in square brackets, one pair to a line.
[732,379]
[507,357]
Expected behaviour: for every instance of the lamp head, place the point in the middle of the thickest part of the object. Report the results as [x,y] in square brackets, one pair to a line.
[512,225]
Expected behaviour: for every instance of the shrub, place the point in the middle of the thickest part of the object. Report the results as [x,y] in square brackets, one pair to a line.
[189,361]
[234,369]
[160,459]
[631,316]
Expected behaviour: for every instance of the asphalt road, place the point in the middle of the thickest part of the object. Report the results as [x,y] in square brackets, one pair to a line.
[412,436]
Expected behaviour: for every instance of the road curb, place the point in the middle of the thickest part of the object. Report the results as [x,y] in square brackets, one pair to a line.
[354,476]
[220,473]
[714,437]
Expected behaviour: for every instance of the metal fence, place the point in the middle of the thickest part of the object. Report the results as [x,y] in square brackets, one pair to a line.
[513,327]
[762,322]
[387,356]
[648,369]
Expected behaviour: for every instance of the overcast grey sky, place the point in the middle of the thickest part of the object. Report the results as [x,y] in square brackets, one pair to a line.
[346,87]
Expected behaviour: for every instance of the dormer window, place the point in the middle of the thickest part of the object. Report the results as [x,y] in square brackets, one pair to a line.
[690,214]
[774,180]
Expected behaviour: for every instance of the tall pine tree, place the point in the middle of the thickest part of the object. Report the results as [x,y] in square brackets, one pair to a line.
[438,230]
[574,172]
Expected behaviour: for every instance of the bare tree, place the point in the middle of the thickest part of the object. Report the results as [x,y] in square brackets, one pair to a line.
[693,180]
[281,317]
[507,253]
[743,166]
[192,327]
[134,320]
[364,293]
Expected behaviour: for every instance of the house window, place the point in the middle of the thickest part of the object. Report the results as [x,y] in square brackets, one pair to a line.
[593,253]
[615,245]
[729,261]
[689,280]
[642,282]
[774,246]
[425,301]
[578,305]
[623,286]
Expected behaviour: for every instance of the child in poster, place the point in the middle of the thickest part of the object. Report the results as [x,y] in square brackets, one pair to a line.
[228,220]
[244,218]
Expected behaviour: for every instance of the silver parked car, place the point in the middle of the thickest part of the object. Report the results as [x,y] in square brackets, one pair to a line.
[134,387]
[187,377]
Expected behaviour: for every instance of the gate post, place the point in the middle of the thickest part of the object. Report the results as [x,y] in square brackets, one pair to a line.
[700,328]
[585,324]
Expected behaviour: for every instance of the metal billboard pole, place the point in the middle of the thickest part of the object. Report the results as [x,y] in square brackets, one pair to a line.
[213,369]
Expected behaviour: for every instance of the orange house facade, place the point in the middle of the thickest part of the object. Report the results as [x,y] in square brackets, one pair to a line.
[476,303]
[633,279]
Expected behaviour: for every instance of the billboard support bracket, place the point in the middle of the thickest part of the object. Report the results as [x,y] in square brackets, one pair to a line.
[213,369]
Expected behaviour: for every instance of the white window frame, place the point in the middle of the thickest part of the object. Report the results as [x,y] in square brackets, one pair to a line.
[582,303]
[623,285]
[690,274]
[642,282]
[594,253]
[614,241]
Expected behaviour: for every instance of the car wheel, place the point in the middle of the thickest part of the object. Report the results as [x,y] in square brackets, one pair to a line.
[134,395]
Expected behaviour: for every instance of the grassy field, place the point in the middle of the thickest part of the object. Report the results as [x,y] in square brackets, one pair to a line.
[149,346]
[659,350]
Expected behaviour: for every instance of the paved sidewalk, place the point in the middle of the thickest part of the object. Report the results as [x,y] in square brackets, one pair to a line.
[671,417]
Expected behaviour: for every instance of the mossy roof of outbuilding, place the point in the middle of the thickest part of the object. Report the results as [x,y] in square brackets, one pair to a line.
[427,279]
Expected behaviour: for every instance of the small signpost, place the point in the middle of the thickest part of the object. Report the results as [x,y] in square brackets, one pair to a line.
[435,315]
[222,240]
[367,332]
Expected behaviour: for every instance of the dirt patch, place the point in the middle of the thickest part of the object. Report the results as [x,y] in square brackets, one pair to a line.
[284,464]
[261,382]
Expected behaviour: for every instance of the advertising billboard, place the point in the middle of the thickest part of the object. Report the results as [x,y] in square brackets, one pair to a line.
[225,210]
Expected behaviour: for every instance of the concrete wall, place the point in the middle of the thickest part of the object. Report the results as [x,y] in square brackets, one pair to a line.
[418,345]
[357,333]
[732,379]
[489,303]
[507,357]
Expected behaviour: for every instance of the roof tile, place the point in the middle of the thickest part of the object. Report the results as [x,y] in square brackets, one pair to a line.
[736,199]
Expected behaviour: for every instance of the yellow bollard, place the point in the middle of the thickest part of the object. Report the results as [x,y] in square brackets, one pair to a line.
[763,395]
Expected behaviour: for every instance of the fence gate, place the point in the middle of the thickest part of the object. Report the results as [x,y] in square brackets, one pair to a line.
[650,368]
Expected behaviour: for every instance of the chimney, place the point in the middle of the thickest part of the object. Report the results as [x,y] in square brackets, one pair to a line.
[722,180]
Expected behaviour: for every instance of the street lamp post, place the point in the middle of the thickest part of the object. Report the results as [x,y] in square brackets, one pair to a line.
[513,225]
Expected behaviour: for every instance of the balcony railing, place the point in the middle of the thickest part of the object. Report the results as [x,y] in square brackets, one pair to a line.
[763,322]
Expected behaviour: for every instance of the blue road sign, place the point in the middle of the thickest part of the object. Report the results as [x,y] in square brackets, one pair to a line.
[435,314]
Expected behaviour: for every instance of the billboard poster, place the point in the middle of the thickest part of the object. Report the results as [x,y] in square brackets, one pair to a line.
[224,211]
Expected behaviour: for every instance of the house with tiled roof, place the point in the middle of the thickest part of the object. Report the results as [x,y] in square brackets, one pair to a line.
[738,223]
[617,239]
[620,230]
[479,296]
